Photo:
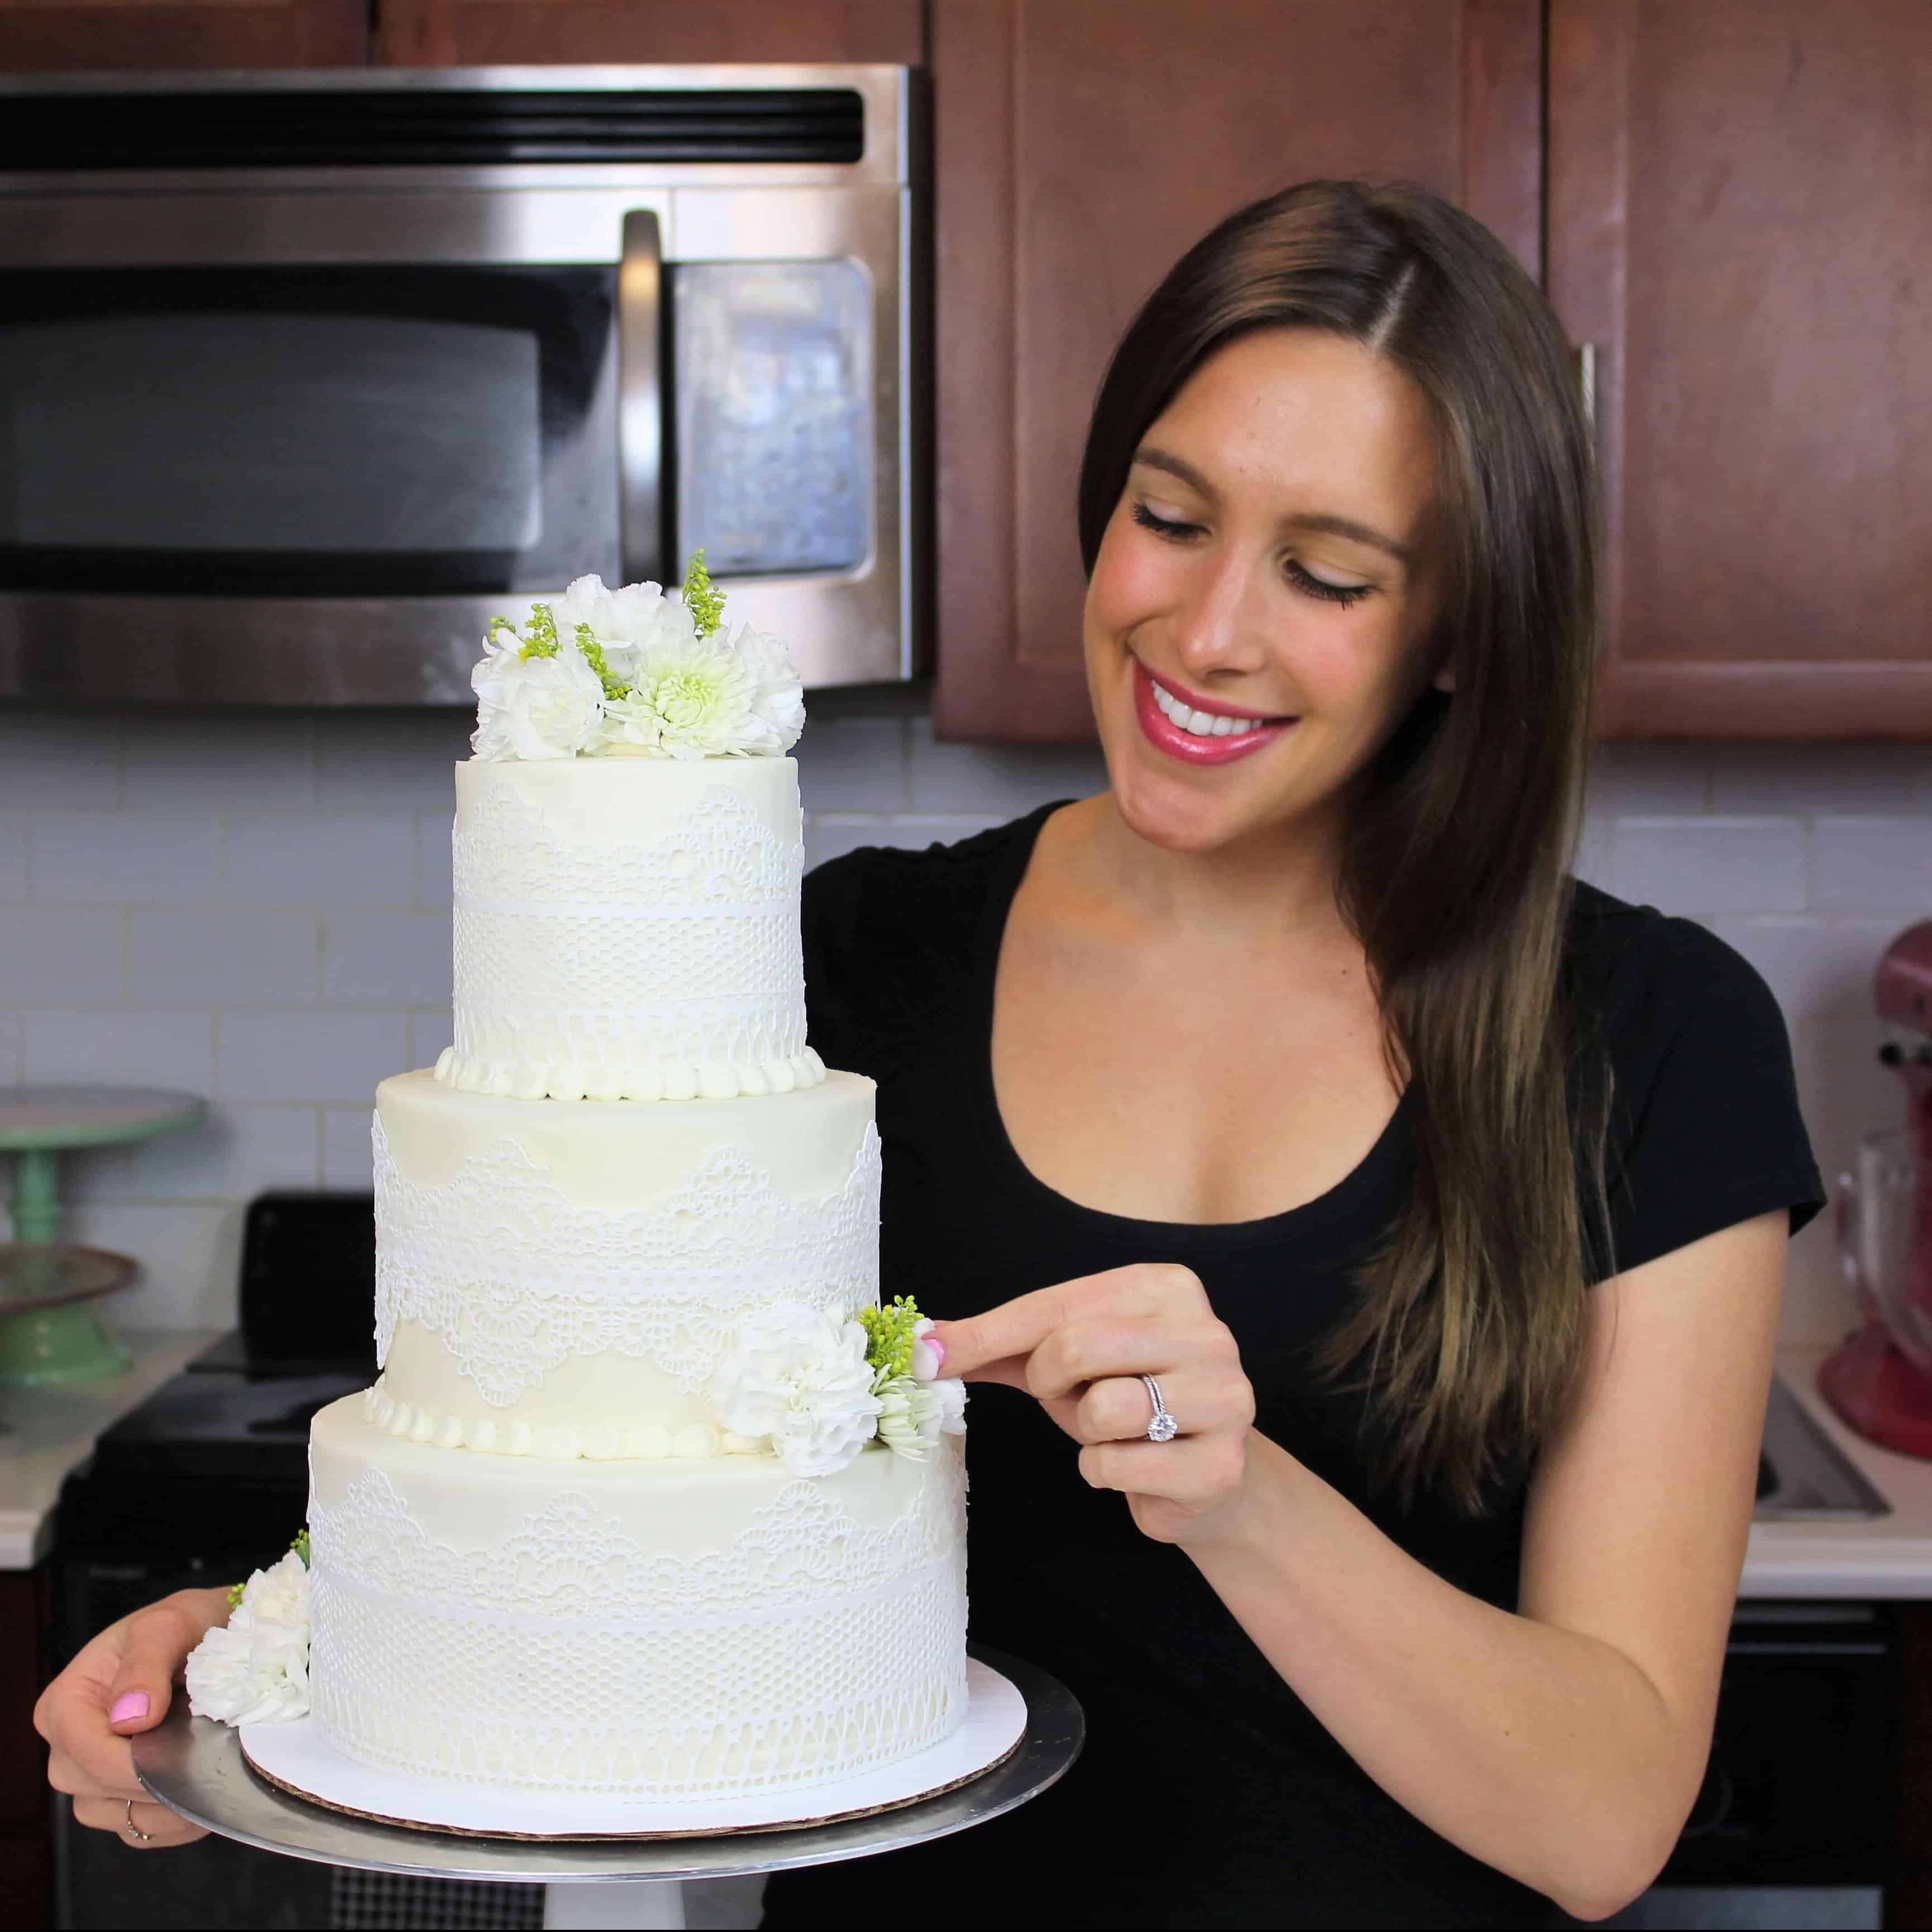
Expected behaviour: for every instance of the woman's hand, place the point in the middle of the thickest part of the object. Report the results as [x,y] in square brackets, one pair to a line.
[1081,1347]
[123,1682]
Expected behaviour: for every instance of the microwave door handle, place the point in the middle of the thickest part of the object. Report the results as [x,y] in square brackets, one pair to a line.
[641,399]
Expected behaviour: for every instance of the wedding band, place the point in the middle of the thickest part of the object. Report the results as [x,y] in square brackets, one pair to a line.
[1163,1428]
[134,1831]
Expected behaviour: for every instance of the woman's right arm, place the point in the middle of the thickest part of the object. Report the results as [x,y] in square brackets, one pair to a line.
[121,1683]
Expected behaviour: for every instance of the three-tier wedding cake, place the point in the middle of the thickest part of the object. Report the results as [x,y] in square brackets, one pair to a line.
[651,1499]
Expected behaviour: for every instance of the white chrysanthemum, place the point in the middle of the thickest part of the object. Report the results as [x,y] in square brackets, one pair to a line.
[799,1375]
[704,698]
[254,1670]
[913,1414]
[534,707]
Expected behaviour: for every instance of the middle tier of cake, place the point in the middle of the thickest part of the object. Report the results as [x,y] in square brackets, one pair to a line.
[558,1278]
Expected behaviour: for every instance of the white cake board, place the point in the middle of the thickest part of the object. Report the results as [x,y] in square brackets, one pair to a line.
[296,1757]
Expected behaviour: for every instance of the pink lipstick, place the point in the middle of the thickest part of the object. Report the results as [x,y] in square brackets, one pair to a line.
[1194,747]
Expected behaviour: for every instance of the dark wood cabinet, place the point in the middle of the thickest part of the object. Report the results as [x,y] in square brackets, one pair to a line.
[1080,146]
[67,36]
[1740,224]
[491,33]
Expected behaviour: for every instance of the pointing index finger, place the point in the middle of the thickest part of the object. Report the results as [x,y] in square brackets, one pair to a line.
[1011,1332]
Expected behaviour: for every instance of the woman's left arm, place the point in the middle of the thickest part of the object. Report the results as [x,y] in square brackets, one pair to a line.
[1563,1744]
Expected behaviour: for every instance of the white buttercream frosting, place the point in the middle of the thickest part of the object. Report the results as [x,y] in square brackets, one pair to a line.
[552,1272]
[627,929]
[669,1629]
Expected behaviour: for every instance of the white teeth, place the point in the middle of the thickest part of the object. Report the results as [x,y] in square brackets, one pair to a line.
[1201,723]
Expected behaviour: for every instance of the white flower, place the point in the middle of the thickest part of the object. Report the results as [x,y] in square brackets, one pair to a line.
[704,698]
[628,622]
[799,1375]
[914,1414]
[534,707]
[255,1670]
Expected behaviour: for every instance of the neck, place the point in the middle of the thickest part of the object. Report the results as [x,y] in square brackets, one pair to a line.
[1277,885]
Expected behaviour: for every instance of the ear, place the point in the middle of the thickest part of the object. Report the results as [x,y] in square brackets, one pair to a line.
[1444,680]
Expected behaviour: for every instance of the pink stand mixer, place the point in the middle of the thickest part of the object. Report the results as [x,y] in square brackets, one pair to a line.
[1880,1381]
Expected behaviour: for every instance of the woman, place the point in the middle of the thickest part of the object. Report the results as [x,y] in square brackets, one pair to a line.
[1443,1201]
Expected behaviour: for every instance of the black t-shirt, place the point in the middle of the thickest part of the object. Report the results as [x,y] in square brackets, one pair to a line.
[1208,1795]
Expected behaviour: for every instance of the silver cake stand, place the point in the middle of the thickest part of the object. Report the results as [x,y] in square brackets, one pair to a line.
[195,1766]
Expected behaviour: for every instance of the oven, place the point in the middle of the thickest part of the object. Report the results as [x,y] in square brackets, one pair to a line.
[304,378]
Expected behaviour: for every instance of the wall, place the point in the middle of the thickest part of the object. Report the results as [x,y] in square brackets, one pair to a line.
[255,908]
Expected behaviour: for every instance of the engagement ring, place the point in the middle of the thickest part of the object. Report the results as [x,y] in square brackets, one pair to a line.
[1163,1428]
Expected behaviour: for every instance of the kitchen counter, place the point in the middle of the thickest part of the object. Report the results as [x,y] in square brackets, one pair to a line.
[1890,1556]
[51,1432]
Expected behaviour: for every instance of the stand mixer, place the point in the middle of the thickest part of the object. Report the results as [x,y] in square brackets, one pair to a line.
[1880,1381]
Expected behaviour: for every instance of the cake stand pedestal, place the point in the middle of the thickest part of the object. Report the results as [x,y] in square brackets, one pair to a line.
[196,1767]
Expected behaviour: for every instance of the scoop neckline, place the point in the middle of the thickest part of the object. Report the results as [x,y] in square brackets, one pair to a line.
[1340,1204]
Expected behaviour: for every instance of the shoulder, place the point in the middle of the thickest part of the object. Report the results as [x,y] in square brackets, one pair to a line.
[1648,975]
[893,936]
[1704,1127]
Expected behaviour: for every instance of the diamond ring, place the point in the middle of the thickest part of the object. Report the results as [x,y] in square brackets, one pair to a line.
[1163,1428]
[134,1831]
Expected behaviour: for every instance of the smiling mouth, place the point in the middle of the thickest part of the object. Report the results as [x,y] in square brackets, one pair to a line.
[1207,723]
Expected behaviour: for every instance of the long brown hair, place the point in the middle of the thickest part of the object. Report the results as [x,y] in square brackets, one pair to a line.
[1455,873]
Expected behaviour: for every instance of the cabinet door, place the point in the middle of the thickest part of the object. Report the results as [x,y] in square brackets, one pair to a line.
[66,36]
[1740,224]
[488,33]
[1080,147]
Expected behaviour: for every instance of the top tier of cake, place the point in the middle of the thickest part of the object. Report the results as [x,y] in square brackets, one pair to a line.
[628,929]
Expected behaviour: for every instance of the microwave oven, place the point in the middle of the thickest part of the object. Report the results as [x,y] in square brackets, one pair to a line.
[305,377]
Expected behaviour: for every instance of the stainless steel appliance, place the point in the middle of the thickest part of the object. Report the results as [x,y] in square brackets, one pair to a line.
[305,376]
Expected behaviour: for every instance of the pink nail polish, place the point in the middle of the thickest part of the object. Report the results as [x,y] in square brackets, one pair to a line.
[132,1704]
[938,1347]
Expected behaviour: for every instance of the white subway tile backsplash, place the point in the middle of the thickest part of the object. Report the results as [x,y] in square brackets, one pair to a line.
[1749,778]
[347,1158]
[320,859]
[392,761]
[59,953]
[429,1033]
[832,835]
[232,1155]
[853,764]
[1650,778]
[1701,866]
[1818,968]
[386,958]
[1873,865]
[999,781]
[207,957]
[319,1057]
[126,858]
[13,856]
[253,761]
[190,1254]
[132,1046]
[52,758]
[329,881]
[432,859]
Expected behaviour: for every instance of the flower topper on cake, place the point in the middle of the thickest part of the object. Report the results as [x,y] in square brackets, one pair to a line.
[254,1669]
[634,673]
[820,1388]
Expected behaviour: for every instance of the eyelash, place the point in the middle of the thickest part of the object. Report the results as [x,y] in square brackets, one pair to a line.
[1342,596]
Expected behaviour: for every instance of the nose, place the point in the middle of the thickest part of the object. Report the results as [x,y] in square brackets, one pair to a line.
[1219,626]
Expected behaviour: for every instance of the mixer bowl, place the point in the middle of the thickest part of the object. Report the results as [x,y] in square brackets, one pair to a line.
[1885,1240]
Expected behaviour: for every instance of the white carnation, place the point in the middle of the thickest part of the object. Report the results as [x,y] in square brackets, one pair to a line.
[534,707]
[799,1375]
[254,1670]
[629,622]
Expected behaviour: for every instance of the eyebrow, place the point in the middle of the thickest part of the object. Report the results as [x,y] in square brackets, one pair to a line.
[1315,521]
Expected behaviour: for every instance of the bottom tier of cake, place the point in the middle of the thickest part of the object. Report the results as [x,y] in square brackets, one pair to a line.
[665,1629]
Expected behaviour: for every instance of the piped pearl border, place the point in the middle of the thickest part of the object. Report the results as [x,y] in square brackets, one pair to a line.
[655,1080]
[650,1441]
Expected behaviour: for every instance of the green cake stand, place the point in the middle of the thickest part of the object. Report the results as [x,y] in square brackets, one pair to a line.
[49,1334]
